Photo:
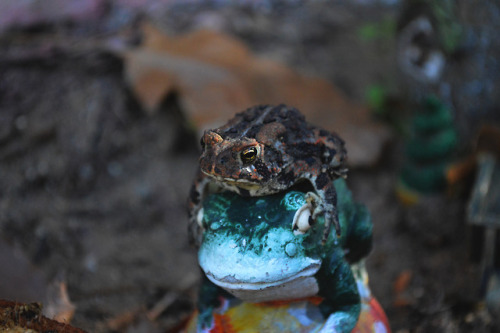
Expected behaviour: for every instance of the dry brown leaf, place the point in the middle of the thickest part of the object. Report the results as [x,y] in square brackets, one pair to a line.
[400,285]
[402,281]
[216,75]
[58,305]
[461,170]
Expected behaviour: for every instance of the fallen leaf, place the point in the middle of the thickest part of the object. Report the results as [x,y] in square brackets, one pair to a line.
[399,287]
[461,170]
[21,281]
[58,305]
[402,281]
[215,76]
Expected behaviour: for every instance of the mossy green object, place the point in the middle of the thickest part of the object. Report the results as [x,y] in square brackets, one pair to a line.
[430,149]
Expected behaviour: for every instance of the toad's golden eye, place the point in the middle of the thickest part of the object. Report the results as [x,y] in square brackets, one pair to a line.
[248,155]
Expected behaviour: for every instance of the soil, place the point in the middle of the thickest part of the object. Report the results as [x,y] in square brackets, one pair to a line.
[93,188]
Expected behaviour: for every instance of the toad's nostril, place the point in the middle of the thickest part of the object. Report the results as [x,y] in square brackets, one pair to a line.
[291,249]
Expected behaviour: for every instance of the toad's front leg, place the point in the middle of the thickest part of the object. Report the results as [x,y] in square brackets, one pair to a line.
[324,200]
[195,210]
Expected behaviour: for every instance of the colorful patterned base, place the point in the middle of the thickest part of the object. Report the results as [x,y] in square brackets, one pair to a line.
[301,316]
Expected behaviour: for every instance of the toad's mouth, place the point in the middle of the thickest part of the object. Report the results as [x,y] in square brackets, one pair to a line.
[241,183]
[230,282]
[300,285]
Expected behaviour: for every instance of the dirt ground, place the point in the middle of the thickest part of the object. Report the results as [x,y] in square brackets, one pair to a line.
[93,188]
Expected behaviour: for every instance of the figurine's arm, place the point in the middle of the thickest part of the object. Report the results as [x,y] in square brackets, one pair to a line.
[194,205]
[210,298]
[341,305]
[359,236]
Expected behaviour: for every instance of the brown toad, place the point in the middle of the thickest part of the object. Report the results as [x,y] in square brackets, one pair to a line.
[268,149]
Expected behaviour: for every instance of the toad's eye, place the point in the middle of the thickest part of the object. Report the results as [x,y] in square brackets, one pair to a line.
[202,143]
[248,155]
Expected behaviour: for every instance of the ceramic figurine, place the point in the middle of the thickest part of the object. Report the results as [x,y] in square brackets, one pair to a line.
[261,211]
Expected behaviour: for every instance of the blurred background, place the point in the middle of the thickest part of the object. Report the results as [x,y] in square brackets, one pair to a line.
[102,103]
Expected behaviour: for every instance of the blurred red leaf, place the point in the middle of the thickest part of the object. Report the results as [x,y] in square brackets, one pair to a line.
[400,285]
